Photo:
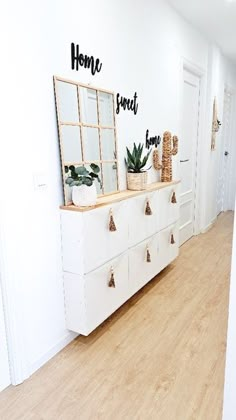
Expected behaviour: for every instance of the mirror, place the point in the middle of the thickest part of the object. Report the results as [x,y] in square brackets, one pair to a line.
[87,131]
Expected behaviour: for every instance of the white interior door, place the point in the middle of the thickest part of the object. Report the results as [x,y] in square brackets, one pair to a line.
[224,155]
[188,153]
[4,363]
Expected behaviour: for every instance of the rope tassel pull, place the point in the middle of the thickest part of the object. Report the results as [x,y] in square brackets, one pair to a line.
[148,210]
[112,226]
[112,279]
[173,198]
[172,239]
[148,255]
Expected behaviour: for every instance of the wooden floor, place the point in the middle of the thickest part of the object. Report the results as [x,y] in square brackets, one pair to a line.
[161,356]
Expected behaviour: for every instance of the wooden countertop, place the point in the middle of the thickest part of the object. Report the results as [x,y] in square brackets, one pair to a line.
[120,195]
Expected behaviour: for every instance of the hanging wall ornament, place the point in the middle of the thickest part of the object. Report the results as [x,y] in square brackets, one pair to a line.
[112,279]
[148,255]
[112,226]
[148,210]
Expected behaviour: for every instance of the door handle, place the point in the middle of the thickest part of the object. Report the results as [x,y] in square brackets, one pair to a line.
[226,153]
[186,160]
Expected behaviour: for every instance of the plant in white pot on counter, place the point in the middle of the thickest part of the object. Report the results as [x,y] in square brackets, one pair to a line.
[136,172]
[82,181]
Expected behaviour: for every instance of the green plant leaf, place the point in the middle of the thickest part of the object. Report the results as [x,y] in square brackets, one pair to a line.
[81,170]
[66,169]
[95,168]
[93,175]
[69,181]
[87,181]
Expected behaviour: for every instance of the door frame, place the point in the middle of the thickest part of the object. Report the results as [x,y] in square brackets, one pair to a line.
[13,310]
[199,212]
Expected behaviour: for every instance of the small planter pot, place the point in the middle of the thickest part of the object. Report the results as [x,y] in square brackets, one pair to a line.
[84,196]
[137,181]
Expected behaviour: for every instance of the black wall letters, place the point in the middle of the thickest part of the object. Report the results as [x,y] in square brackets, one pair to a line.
[152,141]
[79,59]
[123,102]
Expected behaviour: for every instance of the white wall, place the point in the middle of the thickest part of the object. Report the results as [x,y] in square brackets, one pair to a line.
[141,45]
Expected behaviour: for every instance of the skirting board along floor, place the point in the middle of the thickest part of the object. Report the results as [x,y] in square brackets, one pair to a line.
[161,356]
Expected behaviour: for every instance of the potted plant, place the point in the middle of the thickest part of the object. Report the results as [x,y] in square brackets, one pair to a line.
[81,180]
[135,163]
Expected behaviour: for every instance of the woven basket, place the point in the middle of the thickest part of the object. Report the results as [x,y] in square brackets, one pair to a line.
[137,181]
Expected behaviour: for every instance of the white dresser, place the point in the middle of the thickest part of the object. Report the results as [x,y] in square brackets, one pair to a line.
[103,268]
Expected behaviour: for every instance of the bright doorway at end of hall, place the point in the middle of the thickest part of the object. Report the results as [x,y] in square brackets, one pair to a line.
[188,153]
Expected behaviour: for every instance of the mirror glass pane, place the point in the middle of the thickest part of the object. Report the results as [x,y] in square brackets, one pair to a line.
[89,114]
[106,115]
[109,177]
[108,144]
[67,102]
[71,144]
[91,144]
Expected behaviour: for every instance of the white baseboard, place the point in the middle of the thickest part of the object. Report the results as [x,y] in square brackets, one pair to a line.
[53,351]
[208,227]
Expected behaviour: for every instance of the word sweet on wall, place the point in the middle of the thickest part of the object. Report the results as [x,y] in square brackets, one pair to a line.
[130,104]
[152,141]
[88,62]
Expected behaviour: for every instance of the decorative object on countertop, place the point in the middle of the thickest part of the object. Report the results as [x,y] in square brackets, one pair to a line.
[167,152]
[112,279]
[148,255]
[215,125]
[135,163]
[81,180]
[112,226]
[172,239]
[156,160]
[148,210]
[173,198]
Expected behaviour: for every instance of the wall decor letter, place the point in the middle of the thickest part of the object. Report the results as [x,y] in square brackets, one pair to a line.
[83,60]
[152,141]
[130,104]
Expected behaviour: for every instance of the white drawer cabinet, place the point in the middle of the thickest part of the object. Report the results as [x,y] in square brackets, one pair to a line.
[140,247]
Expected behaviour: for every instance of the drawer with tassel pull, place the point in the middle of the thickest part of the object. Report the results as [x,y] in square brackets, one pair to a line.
[143,217]
[168,245]
[91,298]
[144,262]
[90,239]
[168,206]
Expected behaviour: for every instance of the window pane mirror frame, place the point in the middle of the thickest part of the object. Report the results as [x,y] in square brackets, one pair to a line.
[96,94]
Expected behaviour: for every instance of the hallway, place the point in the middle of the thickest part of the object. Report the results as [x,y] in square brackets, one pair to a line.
[161,356]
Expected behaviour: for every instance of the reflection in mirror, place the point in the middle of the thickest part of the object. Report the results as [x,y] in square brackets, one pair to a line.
[110,177]
[106,115]
[71,143]
[108,144]
[68,102]
[89,113]
[91,144]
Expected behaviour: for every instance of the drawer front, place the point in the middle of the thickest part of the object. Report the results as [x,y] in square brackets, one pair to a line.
[144,262]
[72,241]
[168,210]
[74,303]
[142,225]
[168,245]
[100,299]
[100,243]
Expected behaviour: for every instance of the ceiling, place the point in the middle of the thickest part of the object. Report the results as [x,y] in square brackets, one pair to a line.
[215,18]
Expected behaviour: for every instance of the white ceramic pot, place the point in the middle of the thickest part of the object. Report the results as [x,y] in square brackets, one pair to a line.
[84,196]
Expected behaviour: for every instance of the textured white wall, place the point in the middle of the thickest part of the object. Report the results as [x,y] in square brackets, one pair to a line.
[141,45]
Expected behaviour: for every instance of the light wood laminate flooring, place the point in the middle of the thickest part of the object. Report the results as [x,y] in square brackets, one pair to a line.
[161,356]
